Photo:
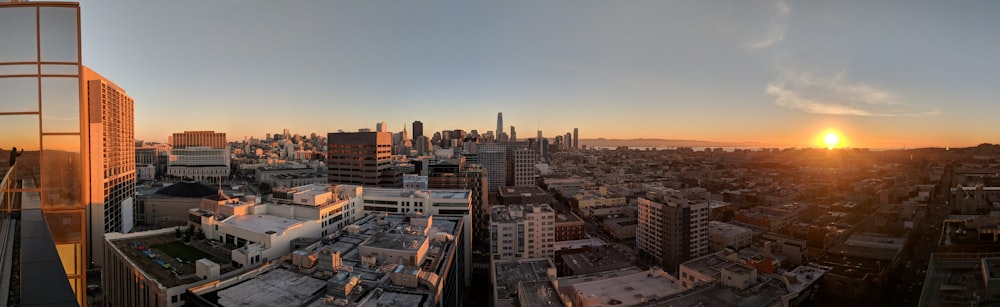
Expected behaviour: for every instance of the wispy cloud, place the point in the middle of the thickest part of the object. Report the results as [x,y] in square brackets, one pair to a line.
[776,29]
[837,96]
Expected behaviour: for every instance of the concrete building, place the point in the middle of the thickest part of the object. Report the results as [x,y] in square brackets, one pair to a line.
[382,260]
[418,129]
[456,174]
[525,282]
[522,231]
[621,228]
[168,206]
[576,138]
[672,230]
[142,269]
[492,157]
[525,174]
[723,235]
[112,164]
[361,158]
[627,287]
[596,259]
[199,163]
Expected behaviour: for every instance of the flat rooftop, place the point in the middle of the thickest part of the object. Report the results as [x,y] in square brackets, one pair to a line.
[275,288]
[392,298]
[402,192]
[711,265]
[574,244]
[129,245]
[954,282]
[630,290]
[509,273]
[726,229]
[766,293]
[395,241]
[258,223]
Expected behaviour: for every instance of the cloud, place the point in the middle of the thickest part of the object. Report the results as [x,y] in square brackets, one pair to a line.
[837,96]
[777,27]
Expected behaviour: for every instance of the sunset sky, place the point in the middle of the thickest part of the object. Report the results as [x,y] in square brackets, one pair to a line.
[885,74]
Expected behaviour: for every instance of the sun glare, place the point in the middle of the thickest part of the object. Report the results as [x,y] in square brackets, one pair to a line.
[831,139]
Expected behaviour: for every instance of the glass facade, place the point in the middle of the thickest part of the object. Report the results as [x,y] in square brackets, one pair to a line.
[43,116]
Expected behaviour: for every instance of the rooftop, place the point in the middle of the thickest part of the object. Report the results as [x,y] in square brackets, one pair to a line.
[274,288]
[766,293]
[510,273]
[435,194]
[956,281]
[266,224]
[726,229]
[629,290]
[395,241]
[160,264]
[712,265]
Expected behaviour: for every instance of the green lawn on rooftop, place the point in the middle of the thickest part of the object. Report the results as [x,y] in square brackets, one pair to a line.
[179,250]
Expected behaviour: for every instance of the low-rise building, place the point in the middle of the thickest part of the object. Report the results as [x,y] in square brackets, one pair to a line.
[723,235]
[525,282]
[569,227]
[621,228]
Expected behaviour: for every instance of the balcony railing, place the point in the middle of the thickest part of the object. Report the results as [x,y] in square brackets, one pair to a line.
[24,235]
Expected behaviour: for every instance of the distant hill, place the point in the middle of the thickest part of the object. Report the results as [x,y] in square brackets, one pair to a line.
[602,142]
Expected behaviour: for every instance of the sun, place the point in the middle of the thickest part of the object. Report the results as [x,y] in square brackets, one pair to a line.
[831,139]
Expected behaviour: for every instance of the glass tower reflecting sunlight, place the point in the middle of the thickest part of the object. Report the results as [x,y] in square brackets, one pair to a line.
[45,179]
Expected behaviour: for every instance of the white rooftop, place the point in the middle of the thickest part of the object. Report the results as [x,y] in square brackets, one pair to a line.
[261,223]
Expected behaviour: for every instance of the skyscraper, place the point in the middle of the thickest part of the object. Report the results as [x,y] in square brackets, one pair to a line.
[672,230]
[361,158]
[381,127]
[418,129]
[112,135]
[499,123]
[568,139]
[576,138]
[46,181]
[513,134]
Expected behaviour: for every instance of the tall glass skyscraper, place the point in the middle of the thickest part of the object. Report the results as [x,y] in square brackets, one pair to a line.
[45,181]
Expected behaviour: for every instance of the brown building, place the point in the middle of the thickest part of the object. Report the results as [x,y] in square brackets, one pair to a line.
[361,158]
[199,138]
[455,174]
[569,227]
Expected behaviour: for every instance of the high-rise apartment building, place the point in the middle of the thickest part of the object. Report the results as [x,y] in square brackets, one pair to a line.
[522,231]
[113,177]
[361,158]
[418,129]
[47,181]
[576,138]
[200,139]
[499,123]
[672,230]
[492,157]
[524,167]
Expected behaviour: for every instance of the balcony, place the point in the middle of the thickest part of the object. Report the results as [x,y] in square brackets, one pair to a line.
[24,235]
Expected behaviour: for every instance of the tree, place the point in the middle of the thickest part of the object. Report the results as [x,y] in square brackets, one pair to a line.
[177,232]
[265,188]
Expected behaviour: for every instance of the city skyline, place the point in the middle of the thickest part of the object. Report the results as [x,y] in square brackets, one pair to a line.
[911,75]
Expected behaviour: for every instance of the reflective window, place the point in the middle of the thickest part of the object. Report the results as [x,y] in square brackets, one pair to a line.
[57,34]
[20,69]
[60,69]
[19,95]
[17,35]
[20,131]
[60,104]
[62,172]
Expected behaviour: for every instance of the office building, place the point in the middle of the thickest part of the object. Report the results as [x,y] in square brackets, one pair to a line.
[457,174]
[43,114]
[361,158]
[568,138]
[418,129]
[672,230]
[522,231]
[381,127]
[113,178]
[199,155]
[513,134]
[492,157]
[499,123]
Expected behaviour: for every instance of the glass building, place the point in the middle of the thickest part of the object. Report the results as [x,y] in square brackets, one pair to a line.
[45,181]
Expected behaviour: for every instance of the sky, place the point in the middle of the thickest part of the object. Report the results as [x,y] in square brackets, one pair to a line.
[884,74]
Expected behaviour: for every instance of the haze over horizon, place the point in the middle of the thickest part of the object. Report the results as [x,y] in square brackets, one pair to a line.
[885,75]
